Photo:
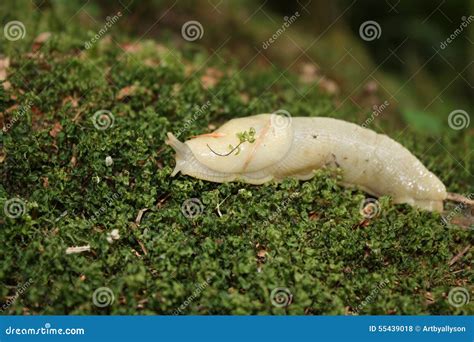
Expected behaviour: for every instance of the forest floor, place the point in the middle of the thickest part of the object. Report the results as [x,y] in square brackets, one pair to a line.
[84,164]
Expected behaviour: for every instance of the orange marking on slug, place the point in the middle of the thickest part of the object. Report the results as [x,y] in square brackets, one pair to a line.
[210,135]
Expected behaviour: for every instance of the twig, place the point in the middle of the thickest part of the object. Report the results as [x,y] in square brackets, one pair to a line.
[459,255]
[140,215]
[459,198]
[78,249]
[142,246]
[161,201]
[218,207]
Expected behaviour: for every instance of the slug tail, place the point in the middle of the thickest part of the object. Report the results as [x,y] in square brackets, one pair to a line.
[181,150]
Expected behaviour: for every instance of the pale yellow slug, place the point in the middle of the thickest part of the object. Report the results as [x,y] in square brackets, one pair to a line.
[266,147]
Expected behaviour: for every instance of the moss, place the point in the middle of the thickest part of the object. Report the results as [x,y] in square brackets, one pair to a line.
[307,237]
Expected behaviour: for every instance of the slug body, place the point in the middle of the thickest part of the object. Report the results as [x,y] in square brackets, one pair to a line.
[295,147]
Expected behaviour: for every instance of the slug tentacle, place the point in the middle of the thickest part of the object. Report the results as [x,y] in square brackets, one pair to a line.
[259,148]
[183,152]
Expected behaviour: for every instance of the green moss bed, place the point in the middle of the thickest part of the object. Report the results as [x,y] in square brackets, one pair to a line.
[307,240]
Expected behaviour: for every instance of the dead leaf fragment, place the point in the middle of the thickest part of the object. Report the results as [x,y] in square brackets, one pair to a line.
[211,77]
[40,40]
[73,161]
[4,65]
[11,109]
[72,100]
[244,97]
[56,129]
[126,92]
[429,298]
[329,86]
[309,73]
[131,48]
[7,85]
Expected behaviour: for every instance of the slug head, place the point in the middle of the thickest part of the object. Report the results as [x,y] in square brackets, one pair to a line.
[239,146]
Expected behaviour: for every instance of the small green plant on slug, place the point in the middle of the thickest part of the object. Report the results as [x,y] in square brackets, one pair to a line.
[245,136]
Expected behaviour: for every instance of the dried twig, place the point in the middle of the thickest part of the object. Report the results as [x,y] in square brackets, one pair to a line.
[140,215]
[218,207]
[459,255]
[460,199]
[78,249]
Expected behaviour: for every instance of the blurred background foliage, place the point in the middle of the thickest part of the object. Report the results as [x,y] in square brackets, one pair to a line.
[405,65]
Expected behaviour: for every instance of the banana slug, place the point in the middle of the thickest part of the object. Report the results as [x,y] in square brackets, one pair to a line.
[265,147]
